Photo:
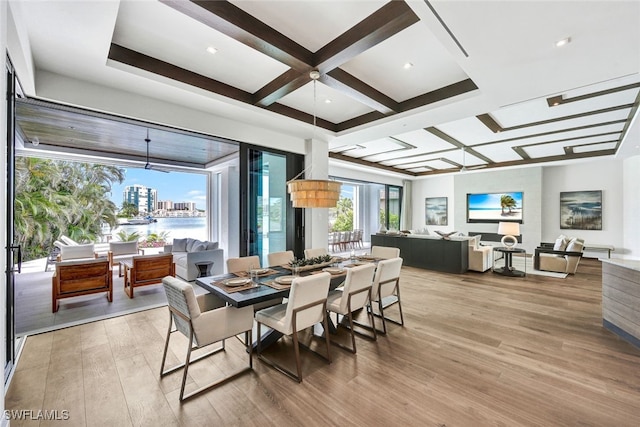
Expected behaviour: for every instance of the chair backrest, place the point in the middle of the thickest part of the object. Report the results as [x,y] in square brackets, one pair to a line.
[243,264]
[152,267]
[474,241]
[385,252]
[86,274]
[307,290]
[386,271]
[68,241]
[181,298]
[123,248]
[315,252]
[77,252]
[280,258]
[358,278]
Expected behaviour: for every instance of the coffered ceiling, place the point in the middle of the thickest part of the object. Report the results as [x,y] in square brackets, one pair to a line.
[415,87]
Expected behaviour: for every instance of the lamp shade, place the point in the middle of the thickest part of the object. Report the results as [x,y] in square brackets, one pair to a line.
[314,193]
[509,228]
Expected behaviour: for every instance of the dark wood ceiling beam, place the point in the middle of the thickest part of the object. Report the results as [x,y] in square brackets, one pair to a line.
[386,22]
[279,87]
[451,140]
[360,91]
[300,115]
[236,23]
[339,156]
[440,94]
[139,60]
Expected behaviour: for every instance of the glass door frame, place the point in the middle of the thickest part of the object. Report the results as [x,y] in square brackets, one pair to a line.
[248,190]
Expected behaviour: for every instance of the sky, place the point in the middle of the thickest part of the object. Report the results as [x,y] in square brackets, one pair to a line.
[175,186]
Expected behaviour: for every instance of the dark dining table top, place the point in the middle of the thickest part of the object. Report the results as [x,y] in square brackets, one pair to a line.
[260,293]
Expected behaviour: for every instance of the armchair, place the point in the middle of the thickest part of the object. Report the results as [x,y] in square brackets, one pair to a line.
[480,257]
[553,257]
[75,278]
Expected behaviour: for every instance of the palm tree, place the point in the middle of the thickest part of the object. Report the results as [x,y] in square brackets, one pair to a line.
[55,197]
[508,202]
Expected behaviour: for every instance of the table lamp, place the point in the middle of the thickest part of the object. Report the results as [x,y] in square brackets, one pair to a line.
[509,230]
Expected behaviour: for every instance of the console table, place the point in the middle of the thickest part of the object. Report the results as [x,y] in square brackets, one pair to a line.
[430,252]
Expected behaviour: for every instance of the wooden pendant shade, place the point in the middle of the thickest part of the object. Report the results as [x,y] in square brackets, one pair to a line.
[314,193]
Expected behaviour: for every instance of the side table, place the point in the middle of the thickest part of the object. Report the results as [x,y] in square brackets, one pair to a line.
[508,269]
[204,268]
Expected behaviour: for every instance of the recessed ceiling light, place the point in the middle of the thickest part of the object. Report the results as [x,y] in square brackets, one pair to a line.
[408,65]
[563,42]
[212,50]
[327,101]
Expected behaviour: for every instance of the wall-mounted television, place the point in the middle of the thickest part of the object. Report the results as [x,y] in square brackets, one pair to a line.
[495,207]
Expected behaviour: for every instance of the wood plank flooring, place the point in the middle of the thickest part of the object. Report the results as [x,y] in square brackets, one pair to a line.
[476,350]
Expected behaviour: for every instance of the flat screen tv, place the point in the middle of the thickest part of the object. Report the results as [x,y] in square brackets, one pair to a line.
[494,207]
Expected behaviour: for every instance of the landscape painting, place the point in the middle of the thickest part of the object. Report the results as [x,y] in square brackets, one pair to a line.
[495,207]
[581,210]
[435,209]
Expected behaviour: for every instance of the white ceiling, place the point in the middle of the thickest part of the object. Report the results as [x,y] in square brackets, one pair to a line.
[507,49]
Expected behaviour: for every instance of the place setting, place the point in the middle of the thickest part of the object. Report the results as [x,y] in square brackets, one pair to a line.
[236,284]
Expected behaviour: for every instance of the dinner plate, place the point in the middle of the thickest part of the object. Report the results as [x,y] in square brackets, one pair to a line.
[237,282]
[285,280]
[334,270]
[260,270]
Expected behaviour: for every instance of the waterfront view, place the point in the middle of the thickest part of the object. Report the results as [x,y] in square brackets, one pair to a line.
[176,228]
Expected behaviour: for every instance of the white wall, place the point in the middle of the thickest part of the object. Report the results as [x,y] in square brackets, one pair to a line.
[619,181]
[631,209]
[605,175]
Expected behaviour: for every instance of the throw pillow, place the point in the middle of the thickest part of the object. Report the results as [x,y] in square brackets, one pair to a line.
[574,245]
[212,245]
[560,244]
[198,247]
[179,245]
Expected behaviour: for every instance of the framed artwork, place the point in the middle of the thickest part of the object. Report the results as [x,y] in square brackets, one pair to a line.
[495,207]
[435,211]
[581,210]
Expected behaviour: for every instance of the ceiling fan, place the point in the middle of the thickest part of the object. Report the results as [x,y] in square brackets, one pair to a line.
[147,165]
[464,167]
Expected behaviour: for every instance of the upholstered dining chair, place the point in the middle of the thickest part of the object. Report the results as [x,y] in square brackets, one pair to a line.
[385,252]
[315,252]
[386,283]
[280,258]
[355,294]
[204,321]
[307,305]
[242,264]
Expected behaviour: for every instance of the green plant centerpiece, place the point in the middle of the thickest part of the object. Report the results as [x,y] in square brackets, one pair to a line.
[311,263]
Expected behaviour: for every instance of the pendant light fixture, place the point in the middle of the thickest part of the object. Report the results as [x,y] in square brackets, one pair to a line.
[313,193]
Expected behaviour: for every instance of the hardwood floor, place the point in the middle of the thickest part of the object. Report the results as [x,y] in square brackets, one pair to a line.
[476,350]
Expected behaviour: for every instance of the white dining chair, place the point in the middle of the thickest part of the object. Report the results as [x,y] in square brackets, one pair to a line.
[385,252]
[243,264]
[315,252]
[280,258]
[307,305]
[386,283]
[355,294]
[204,321]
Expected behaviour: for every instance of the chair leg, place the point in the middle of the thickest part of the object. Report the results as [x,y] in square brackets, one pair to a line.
[296,349]
[166,345]
[186,365]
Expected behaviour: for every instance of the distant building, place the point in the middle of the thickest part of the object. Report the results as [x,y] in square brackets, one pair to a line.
[166,205]
[184,206]
[145,198]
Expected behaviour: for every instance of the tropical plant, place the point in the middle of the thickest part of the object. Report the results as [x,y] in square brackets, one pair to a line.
[128,210]
[124,236]
[507,202]
[344,215]
[55,197]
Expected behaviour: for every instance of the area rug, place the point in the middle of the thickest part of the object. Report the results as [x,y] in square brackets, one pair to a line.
[33,302]
[519,264]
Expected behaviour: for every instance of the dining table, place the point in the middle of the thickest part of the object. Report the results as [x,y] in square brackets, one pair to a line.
[240,290]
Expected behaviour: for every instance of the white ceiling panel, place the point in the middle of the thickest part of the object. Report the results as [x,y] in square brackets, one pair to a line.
[594,147]
[499,152]
[157,30]
[312,24]
[339,109]
[424,140]
[432,69]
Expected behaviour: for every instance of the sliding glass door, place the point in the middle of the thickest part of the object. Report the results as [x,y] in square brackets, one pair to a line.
[269,222]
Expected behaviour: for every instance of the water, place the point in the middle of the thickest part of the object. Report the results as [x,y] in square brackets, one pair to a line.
[178,228]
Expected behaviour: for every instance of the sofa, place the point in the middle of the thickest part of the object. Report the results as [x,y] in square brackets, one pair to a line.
[187,253]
